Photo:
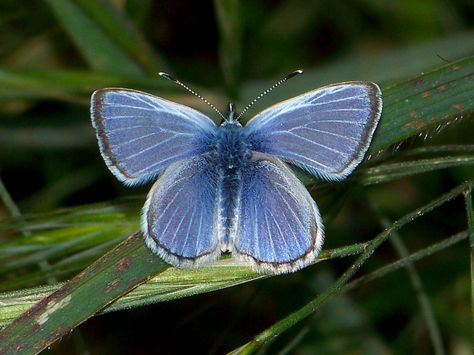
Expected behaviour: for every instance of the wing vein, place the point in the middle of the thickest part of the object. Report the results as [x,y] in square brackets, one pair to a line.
[324,132]
[356,97]
[150,148]
[130,106]
[269,234]
[190,222]
[138,98]
[287,248]
[319,144]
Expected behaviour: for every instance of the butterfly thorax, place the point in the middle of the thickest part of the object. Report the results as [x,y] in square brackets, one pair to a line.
[232,155]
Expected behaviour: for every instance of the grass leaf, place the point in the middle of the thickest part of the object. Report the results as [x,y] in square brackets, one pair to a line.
[96,47]
[431,100]
[115,274]
[470,223]
[408,110]
[341,284]
[230,44]
[121,31]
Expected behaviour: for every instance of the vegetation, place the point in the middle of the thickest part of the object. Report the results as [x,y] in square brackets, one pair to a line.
[396,272]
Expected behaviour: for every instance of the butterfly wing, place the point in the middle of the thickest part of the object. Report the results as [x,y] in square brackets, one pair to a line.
[179,218]
[278,228]
[325,131]
[140,134]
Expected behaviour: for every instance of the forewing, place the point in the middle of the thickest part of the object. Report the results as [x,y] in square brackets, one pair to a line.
[279,228]
[140,134]
[179,218]
[325,131]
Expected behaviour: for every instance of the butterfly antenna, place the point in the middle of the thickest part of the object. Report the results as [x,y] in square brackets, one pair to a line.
[278,83]
[169,77]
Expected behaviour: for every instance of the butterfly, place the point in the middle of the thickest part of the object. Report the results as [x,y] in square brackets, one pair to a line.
[228,188]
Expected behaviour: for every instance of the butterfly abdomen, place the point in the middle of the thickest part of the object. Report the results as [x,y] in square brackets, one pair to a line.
[232,155]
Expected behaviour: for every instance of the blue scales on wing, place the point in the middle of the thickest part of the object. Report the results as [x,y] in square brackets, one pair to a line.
[180,215]
[325,131]
[278,228]
[140,134]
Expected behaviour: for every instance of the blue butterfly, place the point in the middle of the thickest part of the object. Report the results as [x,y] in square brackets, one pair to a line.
[227,188]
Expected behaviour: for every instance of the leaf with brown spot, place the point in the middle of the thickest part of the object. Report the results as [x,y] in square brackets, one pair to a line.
[396,125]
[65,308]
[404,100]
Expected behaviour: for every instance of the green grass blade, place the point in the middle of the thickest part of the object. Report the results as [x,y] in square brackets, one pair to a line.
[230,41]
[43,84]
[121,31]
[415,279]
[8,201]
[458,84]
[69,239]
[470,222]
[115,274]
[96,47]
[393,171]
[401,263]
[337,287]
[169,285]
[388,66]
[431,100]
[436,149]
[175,283]
[76,86]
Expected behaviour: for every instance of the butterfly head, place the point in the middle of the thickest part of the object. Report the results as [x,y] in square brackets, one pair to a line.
[231,118]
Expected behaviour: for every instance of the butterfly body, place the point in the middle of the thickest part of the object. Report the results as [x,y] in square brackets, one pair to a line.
[228,188]
[232,155]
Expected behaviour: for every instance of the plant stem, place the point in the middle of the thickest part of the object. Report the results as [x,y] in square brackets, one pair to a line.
[470,223]
[417,283]
[311,307]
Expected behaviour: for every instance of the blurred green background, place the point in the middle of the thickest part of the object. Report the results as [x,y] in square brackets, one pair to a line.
[55,53]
